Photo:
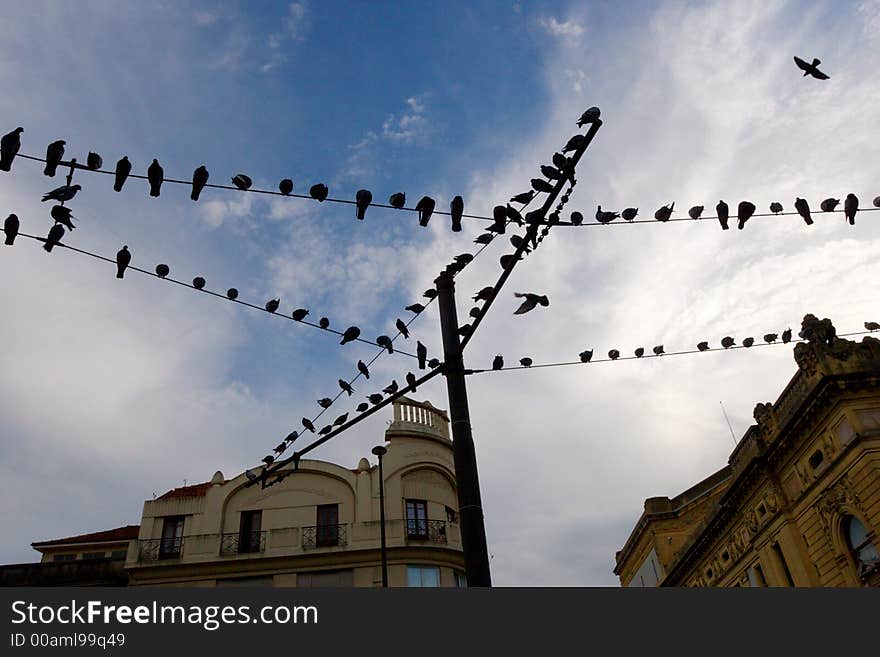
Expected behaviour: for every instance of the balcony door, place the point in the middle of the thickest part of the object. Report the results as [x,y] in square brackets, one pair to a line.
[327,533]
[417,519]
[249,531]
[172,537]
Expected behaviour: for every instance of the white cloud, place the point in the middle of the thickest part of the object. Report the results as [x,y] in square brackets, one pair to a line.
[217,212]
[409,126]
[569,29]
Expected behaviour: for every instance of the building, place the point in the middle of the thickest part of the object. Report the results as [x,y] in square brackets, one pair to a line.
[798,503]
[319,526]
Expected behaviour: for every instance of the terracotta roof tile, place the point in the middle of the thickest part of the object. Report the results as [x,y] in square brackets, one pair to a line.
[126,533]
[196,490]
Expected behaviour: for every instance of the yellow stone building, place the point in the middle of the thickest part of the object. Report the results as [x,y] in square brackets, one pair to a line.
[798,503]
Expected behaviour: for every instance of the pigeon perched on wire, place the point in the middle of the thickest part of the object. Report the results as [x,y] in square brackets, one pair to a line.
[425,208]
[411,380]
[375,398]
[551,172]
[325,430]
[198,282]
[658,350]
[155,175]
[56,232]
[514,215]
[272,305]
[325,402]
[299,314]
[744,212]
[531,302]
[576,218]
[363,369]
[876,202]
[338,422]
[362,407]
[696,212]
[829,204]
[498,362]
[319,192]
[590,116]
[703,346]
[524,198]
[499,214]
[415,308]
[872,326]
[434,363]
[293,435]
[663,213]
[242,182]
[123,258]
[629,214]
[162,270]
[803,209]
[199,180]
[430,293]
[525,362]
[748,342]
[404,331]
[485,294]
[850,207]
[786,336]
[10,143]
[346,387]
[397,200]
[770,338]
[94,161]
[474,312]
[575,143]
[10,227]
[324,323]
[586,356]
[391,388]
[811,68]
[421,354]
[286,186]
[614,354]
[456,210]
[639,352]
[123,169]
[776,207]
[62,194]
[63,216]
[484,238]
[251,476]
[280,447]
[350,334]
[385,342]
[605,217]
[363,198]
[723,212]
[232,294]
[727,342]
[541,185]
[268,460]
[307,423]
[54,153]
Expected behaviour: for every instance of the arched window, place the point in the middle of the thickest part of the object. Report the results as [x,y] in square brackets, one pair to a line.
[863,550]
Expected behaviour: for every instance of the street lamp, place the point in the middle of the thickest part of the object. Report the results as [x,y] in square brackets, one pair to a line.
[380,451]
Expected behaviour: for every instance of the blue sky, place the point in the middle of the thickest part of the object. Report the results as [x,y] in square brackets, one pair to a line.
[116,390]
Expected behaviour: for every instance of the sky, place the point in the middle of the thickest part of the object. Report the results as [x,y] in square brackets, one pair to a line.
[114,391]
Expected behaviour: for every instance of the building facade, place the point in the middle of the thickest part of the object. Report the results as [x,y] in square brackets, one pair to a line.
[798,503]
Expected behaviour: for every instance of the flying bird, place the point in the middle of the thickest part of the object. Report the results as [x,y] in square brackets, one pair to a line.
[541,185]
[425,208]
[325,402]
[63,216]
[748,342]
[156,175]
[324,323]
[531,302]
[872,326]
[485,294]
[770,338]
[525,197]
[614,354]
[56,232]
[299,314]
[199,180]
[577,218]
[350,334]
[363,198]
[94,161]
[362,407]
[744,212]
[456,209]
[162,270]
[198,282]
[232,294]
[498,362]
[363,369]
[10,226]
[242,181]
[590,116]
[397,200]
[385,341]
[54,153]
[391,388]
[639,352]
[434,363]
[604,217]
[123,168]
[123,258]
[9,145]
[850,207]
[319,192]
[525,362]
[786,336]
[338,422]
[421,354]
[484,238]
[703,346]
[723,212]
[727,342]
[375,398]
[629,214]
[829,204]
[776,207]
[663,214]
[585,356]
[411,380]
[696,212]
[658,350]
[402,328]
[346,387]
[272,305]
[576,142]
[803,209]
[62,194]
[286,186]
[308,425]
[811,68]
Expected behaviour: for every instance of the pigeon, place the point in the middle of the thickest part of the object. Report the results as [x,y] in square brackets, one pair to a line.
[663,214]
[770,338]
[56,232]
[362,407]
[474,312]
[776,207]
[391,388]
[62,194]
[350,334]
[385,341]
[434,363]
[421,354]
[551,172]
[524,198]
[199,180]
[338,422]
[485,294]
[54,153]
[744,212]
[463,258]
[829,204]
[541,185]
[590,116]
[325,402]
[272,305]
[514,215]
[577,218]
[9,145]
[293,435]
[614,354]
[485,238]
[727,342]
[576,142]
[375,398]
[10,226]
[629,214]
[162,270]
[363,198]
[397,200]
[786,336]
[810,69]
[525,362]
[198,282]
[456,210]
[363,369]
[94,161]
[299,314]
[325,430]
[430,294]
[876,201]
[402,328]
[850,207]
[499,214]
[703,346]
[242,181]
[531,302]
[156,175]
[604,217]
[411,381]
[232,294]
[308,425]
[517,241]
[123,257]
[251,476]
[658,350]
[324,323]
[696,212]
[560,161]
[639,352]
[319,192]
[280,447]
[871,326]
[723,213]
[498,362]
[268,460]
[62,215]
[123,168]
[286,186]
[803,209]
[748,342]
[425,208]
[346,386]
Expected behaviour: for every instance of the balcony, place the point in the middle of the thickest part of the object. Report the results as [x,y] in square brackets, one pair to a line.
[430,531]
[161,548]
[321,536]
[242,543]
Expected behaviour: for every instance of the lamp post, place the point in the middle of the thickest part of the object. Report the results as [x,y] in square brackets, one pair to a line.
[380,451]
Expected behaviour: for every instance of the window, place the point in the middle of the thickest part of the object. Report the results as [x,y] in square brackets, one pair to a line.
[422,576]
[416,519]
[249,534]
[93,555]
[172,537]
[119,554]
[862,549]
[777,550]
[64,557]
[460,580]
[816,459]
[328,525]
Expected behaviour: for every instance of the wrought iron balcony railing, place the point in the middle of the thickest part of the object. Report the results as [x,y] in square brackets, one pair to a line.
[433,531]
[323,536]
[155,549]
[243,542]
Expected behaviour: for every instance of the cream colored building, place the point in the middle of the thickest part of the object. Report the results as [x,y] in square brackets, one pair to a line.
[798,503]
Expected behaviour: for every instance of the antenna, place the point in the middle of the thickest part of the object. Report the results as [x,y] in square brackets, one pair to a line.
[728,422]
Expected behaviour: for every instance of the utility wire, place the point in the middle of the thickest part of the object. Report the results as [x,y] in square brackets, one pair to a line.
[732,218]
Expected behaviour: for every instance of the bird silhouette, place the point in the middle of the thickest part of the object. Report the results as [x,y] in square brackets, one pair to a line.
[402,328]
[56,232]
[411,381]
[850,207]
[629,214]
[498,362]
[485,294]
[397,200]
[727,342]
[242,182]
[484,238]
[776,207]
[604,217]
[744,212]
[123,168]
[62,194]
[199,180]
[474,312]
[663,213]
[10,143]
[421,354]
[876,201]
[324,323]
[338,422]
[299,314]
[155,175]
[525,197]
[325,430]
[94,161]
[541,185]
[286,186]
[577,218]
[280,447]
[803,209]
[363,369]
[63,216]
[590,116]
[268,460]
[350,334]
[525,362]
[363,198]
[550,172]
[363,406]
[430,293]
[232,294]
[391,388]
[786,336]
[325,402]
[811,68]
[639,352]
[456,210]
[499,214]
[434,363]
[872,326]
[293,435]
[308,425]
[11,226]
[346,386]
[769,338]
[703,346]
[696,212]
[319,192]
[272,305]
[514,215]
[425,208]
[415,308]
[123,258]
[198,282]
[463,258]
[375,398]
[560,161]
[585,356]
[576,142]
[385,341]
[531,302]
[54,153]
[614,354]
[658,350]
[162,270]
[723,212]
[829,204]
[251,476]
[748,342]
